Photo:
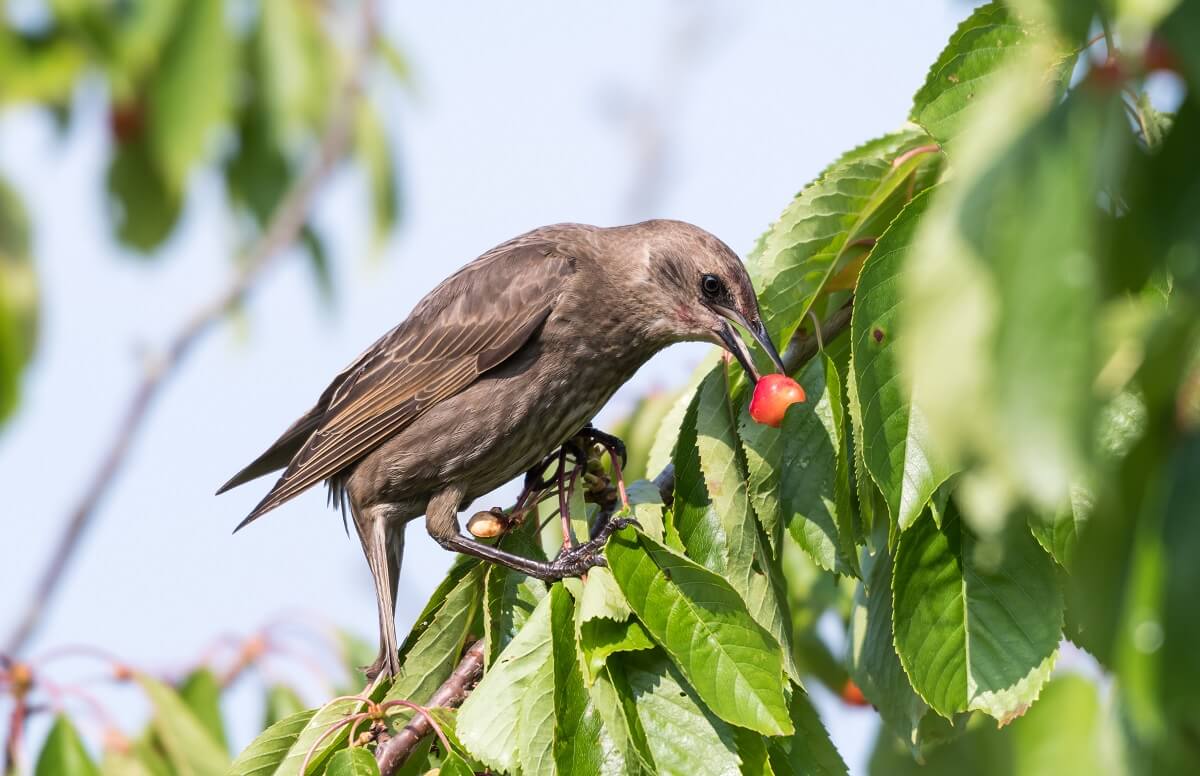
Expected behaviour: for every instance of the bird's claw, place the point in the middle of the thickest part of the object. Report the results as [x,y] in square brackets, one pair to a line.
[606,440]
[575,561]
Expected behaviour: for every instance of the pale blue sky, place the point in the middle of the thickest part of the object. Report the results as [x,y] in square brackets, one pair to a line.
[511,129]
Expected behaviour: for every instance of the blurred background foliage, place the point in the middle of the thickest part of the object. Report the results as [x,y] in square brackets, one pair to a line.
[242,88]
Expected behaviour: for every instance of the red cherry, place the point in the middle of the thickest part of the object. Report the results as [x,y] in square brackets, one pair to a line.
[853,696]
[1159,56]
[772,396]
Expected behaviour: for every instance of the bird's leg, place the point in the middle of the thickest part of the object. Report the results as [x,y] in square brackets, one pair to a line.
[441,520]
[384,550]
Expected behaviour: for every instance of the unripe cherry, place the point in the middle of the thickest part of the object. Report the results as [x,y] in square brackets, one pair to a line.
[852,695]
[485,525]
[773,394]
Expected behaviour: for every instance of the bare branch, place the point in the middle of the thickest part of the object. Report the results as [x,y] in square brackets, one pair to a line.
[281,231]
[391,753]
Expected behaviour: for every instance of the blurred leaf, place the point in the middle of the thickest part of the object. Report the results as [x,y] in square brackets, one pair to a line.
[267,752]
[189,94]
[139,32]
[375,154]
[142,205]
[201,692]
[977,621]
[700,620]
[63,753]
[1180,30]
[639,429]
[18,297]
[189,745]
[896,447]
[813,451]
[684,735]
[354,761]
[1067,731]
[853,199]
[40,68]
[281,702]
[296,70]
[521,683]
[808,751]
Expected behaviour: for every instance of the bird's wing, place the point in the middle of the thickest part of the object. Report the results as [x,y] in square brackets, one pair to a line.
[468,325]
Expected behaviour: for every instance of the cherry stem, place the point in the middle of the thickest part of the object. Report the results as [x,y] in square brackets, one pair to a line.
[427,714]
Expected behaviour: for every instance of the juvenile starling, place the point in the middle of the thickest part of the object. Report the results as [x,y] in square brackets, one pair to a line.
[494,369]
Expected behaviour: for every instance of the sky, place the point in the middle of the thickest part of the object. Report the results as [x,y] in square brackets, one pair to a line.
[515,121]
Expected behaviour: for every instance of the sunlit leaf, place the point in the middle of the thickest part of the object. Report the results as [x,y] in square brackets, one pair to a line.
[190,747]
[977,621]
[733,663]
[355,761]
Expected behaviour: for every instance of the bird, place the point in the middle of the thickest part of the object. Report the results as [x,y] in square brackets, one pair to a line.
[496,368]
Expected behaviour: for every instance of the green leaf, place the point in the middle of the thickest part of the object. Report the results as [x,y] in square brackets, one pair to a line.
[808,751]
[190,747]
[733,663]
[191,90]
[18,297]
[717,495]
[895,446]
[646,502]
[976,52]
[583,744]
[201,692]
[510,596]
[685,735]
[431,651]
[598,639]
[813,451]
[977,620]
[354,761]
[853,199]
[521,683]
[871,656]
[762,445]
[63,753]
[267,752]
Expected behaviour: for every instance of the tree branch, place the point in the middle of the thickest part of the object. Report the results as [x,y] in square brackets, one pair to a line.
[391,753]
[799,352]
[285,224]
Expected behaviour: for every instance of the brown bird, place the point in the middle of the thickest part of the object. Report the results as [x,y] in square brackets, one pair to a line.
[500,365]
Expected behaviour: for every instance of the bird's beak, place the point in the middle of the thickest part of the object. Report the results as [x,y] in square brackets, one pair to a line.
[735,345]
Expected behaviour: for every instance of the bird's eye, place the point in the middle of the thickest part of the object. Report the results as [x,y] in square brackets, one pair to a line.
[711,286]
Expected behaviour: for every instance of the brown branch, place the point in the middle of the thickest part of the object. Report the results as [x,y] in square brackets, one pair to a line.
[391,753]
[281,231]
[799,352]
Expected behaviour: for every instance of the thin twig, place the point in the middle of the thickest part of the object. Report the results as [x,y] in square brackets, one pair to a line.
[288,219]
[391,754]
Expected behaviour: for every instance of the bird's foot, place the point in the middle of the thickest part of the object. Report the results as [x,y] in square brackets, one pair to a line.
[592,435]
[575,561]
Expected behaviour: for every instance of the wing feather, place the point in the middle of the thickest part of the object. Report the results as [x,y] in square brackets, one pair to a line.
[471,323]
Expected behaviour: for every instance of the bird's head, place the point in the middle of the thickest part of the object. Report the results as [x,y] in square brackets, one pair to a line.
[700,290]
